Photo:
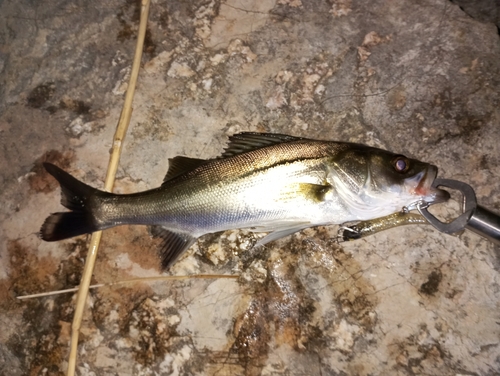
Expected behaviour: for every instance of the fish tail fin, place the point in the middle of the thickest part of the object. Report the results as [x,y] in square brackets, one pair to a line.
[59,226]
[74,196]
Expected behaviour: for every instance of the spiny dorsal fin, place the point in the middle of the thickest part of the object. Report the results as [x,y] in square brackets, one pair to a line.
[179,165]
[173,246]
[247,141]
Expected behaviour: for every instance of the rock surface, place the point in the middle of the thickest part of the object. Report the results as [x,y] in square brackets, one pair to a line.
[420,78]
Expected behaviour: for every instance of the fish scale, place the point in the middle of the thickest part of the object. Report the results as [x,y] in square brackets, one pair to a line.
[266,182]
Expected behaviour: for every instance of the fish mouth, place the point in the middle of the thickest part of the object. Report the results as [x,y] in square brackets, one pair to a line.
[424,188]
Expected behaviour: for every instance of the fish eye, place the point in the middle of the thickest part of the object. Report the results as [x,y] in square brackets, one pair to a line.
[401,164]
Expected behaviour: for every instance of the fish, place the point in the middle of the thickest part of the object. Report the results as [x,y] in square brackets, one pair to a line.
[264,182]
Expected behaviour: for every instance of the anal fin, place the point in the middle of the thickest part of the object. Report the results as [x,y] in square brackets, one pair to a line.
[174,244]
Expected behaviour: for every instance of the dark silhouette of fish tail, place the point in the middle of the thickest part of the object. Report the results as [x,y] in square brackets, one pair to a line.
[74,196]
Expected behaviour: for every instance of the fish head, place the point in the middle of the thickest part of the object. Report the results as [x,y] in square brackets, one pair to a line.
[374,181]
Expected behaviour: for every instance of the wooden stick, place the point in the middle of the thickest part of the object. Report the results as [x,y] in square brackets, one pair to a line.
[119,136]
[132,280]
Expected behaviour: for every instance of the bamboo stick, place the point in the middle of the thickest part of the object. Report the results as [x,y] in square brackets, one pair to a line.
[132,280]
[119,136]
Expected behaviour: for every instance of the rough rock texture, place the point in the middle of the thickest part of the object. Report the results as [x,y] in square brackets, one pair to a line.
[421,78]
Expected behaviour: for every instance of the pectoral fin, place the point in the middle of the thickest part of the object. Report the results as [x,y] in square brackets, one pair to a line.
[173,246]
[315,192]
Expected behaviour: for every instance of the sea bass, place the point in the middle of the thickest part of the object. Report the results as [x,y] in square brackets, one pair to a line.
[264,182]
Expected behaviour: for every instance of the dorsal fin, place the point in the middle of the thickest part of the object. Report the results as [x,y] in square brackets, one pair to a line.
[247,141]
[179,165]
